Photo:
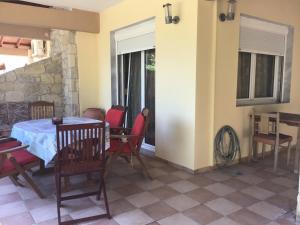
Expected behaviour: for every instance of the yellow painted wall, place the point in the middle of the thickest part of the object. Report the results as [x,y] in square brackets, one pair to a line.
[176,47]
[206,43]
[196,71]
[88,69]
[225,110]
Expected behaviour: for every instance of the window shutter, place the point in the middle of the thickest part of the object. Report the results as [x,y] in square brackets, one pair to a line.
[254,40]
[259,36]
[134,44]
[138,37]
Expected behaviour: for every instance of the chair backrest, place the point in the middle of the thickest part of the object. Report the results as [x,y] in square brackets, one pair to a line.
[115,116]
[41,110]
[140,126]
[265,123]
[80,143]
[94,113]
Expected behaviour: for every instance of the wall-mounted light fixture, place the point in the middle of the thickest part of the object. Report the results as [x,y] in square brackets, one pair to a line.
[168,14]
[230,11]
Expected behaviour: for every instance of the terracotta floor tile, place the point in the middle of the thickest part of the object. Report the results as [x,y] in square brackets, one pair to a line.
[267,210]
[220,189]
[236,184]
[202,214]
[142,199]
[224,221]
[167,179]
[177,219]
[241,199]
[181,202]
[257,192]
[283,202]
[164,192]
[22,218]
[159,210]
[128,189]
[12,208]
[183,186]
[135,217]
[120,206]
[8,198]
[270,186]
[182,174]
[223,206]
[201,195]
[246,217]
[201,180]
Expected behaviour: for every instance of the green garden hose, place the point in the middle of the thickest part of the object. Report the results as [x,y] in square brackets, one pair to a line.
[226,152]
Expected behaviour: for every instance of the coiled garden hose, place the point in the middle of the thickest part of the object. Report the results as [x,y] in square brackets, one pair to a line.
[226,150]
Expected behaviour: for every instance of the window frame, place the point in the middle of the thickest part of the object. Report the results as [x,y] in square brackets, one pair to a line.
[252,100]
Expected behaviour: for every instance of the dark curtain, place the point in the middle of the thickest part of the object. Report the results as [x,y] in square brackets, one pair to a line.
[134,89]
[150,94]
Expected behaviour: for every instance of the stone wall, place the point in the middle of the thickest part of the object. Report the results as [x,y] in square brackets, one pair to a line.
[38,81]
[63,43]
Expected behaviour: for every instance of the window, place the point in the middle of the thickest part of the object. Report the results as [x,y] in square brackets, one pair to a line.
[259,77]
[263,67]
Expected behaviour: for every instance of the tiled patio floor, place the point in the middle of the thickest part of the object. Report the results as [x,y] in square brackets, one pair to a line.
[247,194]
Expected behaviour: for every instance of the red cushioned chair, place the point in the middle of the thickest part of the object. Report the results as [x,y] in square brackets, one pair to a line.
[115,117]
[15,160]
[129,143]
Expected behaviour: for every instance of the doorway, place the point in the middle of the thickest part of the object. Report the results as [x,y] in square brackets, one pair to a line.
[136,88]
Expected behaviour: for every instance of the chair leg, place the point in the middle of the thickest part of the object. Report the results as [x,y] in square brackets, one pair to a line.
[255,147]
[109,161]
[276,158]
[58,197]
[263,151]
[15,180]
[100,188]
[288,153]
[27,178]
[105,196]
[143,166]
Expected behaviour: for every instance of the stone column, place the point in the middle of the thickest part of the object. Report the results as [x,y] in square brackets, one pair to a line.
[63,42]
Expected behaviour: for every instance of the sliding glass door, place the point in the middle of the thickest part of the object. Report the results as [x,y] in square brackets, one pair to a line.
[136,88]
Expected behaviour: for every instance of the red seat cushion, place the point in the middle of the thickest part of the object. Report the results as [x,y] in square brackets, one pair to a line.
[22,156]
[115,145]
[137,130]
[114,117]
[9,144]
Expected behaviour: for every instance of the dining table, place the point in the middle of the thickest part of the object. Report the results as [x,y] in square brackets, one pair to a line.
[40,135]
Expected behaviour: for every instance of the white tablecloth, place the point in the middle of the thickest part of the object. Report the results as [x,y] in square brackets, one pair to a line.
[40,135]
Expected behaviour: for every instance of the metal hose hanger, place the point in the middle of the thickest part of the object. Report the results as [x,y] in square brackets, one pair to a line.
[227,146]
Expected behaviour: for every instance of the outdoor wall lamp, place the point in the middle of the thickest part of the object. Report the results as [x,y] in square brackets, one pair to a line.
[168,14]
[230,11]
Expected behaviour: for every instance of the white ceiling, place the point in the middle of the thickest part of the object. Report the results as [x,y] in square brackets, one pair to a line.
[90,5]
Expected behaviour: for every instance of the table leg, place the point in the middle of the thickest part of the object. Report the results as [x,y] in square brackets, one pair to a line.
[43,170]
[296,165]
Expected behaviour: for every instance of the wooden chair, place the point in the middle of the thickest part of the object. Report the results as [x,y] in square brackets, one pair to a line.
[80,150]
[94,113]
[265,130]
[128,144]
[15,160]
[41,110]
